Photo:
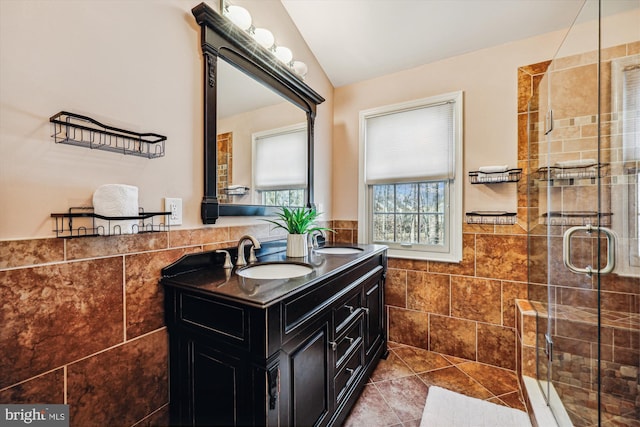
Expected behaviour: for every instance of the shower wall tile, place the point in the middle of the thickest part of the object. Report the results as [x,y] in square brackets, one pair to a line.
[409,264]
[428,292]
[143,293]
[199,236]
[498,345]
[101,390]
[409,327]
[501,257]
[259,231]
[17,253]
[466,267]
[476,299]
[396,288]
[58,313]
[456,337]
[47,388]
[91,247]
[511,291]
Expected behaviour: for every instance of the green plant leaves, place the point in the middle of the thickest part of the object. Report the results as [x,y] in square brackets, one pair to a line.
[297,220]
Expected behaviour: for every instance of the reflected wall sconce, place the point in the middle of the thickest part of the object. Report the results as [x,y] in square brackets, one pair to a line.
[241,18]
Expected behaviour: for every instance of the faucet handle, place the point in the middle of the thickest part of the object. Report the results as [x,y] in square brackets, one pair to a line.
[252,255]
[227,258]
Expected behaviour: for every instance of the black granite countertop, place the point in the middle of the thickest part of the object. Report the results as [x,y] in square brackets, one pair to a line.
[204,273]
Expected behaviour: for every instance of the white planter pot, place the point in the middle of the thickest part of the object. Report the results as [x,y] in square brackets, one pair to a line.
[297,246]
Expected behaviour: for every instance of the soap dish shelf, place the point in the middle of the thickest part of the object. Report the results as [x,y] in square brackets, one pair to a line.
[510,175]
[83,131]
[85,223]
[491,217]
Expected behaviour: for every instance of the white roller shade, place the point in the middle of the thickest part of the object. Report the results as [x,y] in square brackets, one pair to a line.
[631,113]
[410,145]
[280,160]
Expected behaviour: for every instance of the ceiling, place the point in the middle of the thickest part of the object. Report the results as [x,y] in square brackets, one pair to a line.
[355,40]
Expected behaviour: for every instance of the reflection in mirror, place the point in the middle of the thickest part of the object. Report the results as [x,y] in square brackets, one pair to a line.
[262,143]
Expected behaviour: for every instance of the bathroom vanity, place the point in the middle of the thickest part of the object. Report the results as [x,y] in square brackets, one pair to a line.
[273,352]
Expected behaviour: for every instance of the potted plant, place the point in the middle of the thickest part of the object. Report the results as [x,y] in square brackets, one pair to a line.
[298,222]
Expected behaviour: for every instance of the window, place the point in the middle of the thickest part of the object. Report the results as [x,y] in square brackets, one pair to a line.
[410,194]
[278,180]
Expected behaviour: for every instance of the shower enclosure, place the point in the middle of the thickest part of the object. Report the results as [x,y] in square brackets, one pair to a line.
[582,194]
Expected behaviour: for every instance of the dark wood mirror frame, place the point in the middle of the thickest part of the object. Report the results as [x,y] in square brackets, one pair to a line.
[220,38]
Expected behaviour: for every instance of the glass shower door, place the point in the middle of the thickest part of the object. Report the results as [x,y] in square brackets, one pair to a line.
[585,148]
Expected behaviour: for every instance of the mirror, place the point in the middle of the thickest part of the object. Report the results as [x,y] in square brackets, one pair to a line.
[223,44]
[261,150]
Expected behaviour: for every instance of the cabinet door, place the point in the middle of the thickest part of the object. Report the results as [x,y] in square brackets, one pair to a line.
[307,376]
[374,313]
[221,387]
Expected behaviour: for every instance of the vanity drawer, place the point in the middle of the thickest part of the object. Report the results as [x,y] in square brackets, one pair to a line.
[346,311]
[347,342]
[348,374]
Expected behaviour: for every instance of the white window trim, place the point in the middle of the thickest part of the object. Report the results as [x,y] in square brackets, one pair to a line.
[455,218]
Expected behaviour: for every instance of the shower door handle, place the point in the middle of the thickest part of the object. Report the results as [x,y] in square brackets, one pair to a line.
[588,270]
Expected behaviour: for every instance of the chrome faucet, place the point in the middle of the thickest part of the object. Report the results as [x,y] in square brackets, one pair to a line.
[252,256]
[313,238]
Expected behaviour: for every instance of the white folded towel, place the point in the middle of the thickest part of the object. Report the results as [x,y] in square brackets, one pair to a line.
[115,200]
[576,163]
[493,169]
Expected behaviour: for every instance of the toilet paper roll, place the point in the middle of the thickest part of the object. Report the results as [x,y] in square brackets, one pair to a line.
[114,200]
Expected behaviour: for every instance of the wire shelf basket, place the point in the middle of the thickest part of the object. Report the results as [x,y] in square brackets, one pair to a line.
[74,129]
[576,218]
[510,175]
[491,217]
[592,171]
[81,222]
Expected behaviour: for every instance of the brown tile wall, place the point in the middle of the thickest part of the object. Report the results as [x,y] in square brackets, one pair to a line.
[83,322]
[465,310]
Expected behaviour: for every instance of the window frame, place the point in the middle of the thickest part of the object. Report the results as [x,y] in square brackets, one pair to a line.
[453,207]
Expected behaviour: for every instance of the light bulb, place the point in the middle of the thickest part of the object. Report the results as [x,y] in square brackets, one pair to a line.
[300,68]
[284,54]
[239,16]
[264,37]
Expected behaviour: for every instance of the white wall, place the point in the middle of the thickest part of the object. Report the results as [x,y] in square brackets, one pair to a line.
[130,64]
[488,79]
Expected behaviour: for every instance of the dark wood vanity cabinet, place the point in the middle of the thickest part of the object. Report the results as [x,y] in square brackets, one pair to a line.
[299,361]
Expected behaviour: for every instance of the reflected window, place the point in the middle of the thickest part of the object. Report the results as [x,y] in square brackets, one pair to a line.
[280,165]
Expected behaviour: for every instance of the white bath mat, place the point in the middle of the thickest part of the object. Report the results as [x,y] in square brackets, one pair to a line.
[445,408]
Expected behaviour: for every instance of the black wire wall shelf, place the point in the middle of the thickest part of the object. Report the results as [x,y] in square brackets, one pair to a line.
[576,218]
[83,131]
[572,173]
[84,222]
[491,217]
[509,175]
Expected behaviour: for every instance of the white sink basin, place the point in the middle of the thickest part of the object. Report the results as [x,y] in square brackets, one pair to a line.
[277,270]
[337,250]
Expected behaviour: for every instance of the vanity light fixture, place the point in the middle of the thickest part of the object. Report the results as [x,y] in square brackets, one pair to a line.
[264,37]
[241,18]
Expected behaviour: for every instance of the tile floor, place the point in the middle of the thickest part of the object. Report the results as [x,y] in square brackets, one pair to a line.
[397,390]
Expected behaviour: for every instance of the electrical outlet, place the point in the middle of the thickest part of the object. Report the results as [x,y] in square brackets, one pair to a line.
[174,206]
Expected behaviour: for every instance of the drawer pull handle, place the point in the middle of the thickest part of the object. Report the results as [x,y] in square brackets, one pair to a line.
[349,371]
[349,339]
[334,345]
[349,307]
[366,310]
